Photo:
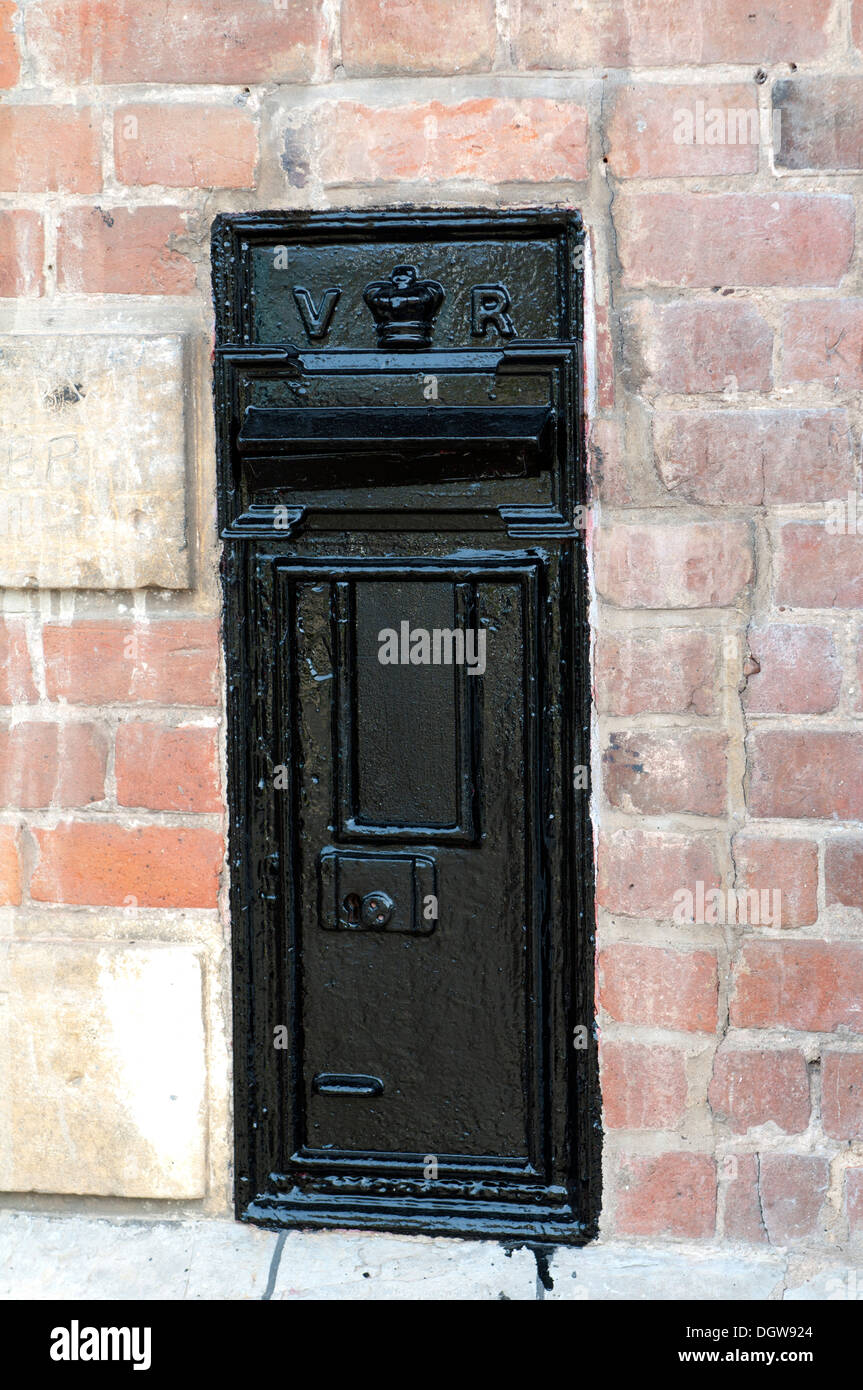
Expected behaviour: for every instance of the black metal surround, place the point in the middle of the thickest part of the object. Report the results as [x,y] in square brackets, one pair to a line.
[400,458]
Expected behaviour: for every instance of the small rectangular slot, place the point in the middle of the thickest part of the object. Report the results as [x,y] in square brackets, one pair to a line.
[331,1083]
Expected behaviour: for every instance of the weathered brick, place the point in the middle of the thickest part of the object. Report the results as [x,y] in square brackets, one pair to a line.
[10,869]
[81,862]
[659,988]
[166,663]
[653,33]
[496,140]
[673,131]
[750,1088]
[662,771]
[697,346]
[822,340]
[642,1087]
[215,41]
[604,358]
[842,1094]
[800,671]
[793,1188]
[670,1194]
[697,565]
[709,239]
[843,871]
[670,671]
[770,864]
[22,251]
[47,149]
[185,146]
[607,464]
[806,772]
[10,63]
[46,764]
[640,871]
[397,36]
[754,457]
[743,1221]
[808,985]
[820,122]
[167,769]
[816,568]
[16,677]
[122,251]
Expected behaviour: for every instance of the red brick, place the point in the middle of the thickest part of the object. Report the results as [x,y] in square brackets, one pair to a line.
[822,340]
[698,565]
[16,678]
[662,131]
[798,773]
[22,251]
[842,1094]
[767,864]
[754,457]
[607,464]
[800,671]
[642,1087]
[671,1194]
[697,346]
[44,764]
[809,985]
[820,122]
[793,1188]
[167,663]
[214,41]
[495,140]
[10,870]
[10,63]
[751,1088]
[185,146]
[122,251]
[659,988]
[398,36]
[818,569]
[640,871]
[49,149]
[167,769]
[659,33]
[108,865]
[661,771]
[843,871]
[709,239]
[854,1199]
[742,1205]
[669,671]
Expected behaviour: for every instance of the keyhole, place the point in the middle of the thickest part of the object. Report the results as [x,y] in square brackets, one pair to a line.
[352,906]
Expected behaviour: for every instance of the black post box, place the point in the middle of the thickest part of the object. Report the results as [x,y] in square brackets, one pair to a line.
[400,464]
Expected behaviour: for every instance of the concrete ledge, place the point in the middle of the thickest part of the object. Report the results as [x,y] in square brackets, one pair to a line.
[85,1257]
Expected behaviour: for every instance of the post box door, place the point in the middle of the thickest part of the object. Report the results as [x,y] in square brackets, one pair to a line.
[405,629]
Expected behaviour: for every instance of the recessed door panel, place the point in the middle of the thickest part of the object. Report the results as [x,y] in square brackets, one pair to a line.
[443,1018]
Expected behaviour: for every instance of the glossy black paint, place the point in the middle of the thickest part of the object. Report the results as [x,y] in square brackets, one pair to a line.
[400,451]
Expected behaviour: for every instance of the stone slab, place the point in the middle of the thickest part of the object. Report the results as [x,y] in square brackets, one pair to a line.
[93,454]
[103,1069]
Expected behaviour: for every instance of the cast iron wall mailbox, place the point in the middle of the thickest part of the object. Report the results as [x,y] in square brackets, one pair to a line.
[400,463]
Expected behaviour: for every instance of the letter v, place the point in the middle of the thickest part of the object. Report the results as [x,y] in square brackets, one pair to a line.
[316,318]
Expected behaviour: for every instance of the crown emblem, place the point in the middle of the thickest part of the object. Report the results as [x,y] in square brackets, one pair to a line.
[404,308]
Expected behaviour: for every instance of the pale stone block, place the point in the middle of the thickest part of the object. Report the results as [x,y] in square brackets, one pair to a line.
[93,454]
[103,1071]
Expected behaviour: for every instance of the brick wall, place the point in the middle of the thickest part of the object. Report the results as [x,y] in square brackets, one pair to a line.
[714,149]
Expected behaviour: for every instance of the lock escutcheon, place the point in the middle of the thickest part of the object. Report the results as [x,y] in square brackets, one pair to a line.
[376,909]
